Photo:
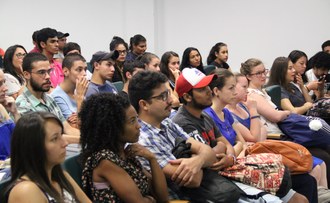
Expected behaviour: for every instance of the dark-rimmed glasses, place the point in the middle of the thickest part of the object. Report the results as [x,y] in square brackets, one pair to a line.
[260,73]
[162,96]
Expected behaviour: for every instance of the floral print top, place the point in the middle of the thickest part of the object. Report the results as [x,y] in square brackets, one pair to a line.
[131,165]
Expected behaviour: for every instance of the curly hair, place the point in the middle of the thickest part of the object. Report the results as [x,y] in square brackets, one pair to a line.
[102,119]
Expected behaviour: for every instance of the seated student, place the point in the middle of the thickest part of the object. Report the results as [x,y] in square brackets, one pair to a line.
[37,151]
[36,69]
[111,171]
[326,46]
[103,69]
[129,70]
[170,66]
[192,87]
[12,64]
[218,56]
[71,92]
[294,99]
[137,46]
[244,110]
[191,58]
[318,68]
[149,94]
[7,125]
[121,46]
[223,92]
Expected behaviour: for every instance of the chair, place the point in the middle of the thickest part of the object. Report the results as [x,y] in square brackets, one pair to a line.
[274,92]
[3,185]
[208,69]
[73,167]
[119,85]
[89,67]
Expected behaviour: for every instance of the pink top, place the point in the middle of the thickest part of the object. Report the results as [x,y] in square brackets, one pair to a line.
[35,50]
[56,76]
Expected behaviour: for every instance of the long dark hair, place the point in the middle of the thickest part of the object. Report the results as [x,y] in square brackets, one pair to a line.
[222,74]
[8,65]
[165,60]
[278,71]
[215,49]
[185,59]
[294,56]
[28,154]
[136,40]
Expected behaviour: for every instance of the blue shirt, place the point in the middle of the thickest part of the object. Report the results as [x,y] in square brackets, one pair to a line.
[226,126]
[96,88]
[66,104]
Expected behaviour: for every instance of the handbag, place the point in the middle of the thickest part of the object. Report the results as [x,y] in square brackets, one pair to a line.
[213,187]
[295,156]
[297,129]
[264,171]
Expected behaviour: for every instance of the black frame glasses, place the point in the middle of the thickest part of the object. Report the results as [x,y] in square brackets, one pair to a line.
[259,74]
[162,96]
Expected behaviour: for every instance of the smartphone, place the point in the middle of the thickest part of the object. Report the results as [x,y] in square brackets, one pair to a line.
[321,78]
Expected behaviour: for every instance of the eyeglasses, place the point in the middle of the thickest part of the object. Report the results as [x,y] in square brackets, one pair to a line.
[43,73]
[260,73]
[20,55]
[162,96]
[122,51]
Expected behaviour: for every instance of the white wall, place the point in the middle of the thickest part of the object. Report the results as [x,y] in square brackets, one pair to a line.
[254,28]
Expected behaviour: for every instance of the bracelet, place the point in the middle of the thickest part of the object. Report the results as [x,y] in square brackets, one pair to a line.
[256,116]
[234,158]
[307,88]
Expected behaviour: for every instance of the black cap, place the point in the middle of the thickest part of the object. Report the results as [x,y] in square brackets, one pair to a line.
[104,56]
[60,35]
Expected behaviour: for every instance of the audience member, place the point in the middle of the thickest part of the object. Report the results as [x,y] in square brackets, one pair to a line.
[170,66]
[218,56]
[137,46]
[71,47]
[102,64]
[191,58]
[293,99]
[70,94]
[121,46]
[149,94]
[36,70]
[319,66]
[7,109]
[111,169]
[326,46]
[62,38]
[243,108]
[130,69]
[48,44]
[35,43]
[37,151]
[12,65]
[224,92]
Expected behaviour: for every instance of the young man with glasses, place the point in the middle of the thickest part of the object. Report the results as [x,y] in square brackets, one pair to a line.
[36,71]
[149,94]
[102,72]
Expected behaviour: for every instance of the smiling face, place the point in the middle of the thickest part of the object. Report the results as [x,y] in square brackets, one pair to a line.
[55,144]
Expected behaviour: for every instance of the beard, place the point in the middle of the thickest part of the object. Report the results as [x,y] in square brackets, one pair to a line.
[199,105]
[38,88]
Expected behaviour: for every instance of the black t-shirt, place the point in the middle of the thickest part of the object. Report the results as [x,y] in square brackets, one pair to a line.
[197,127]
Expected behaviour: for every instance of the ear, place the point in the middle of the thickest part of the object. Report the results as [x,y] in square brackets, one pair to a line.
[66,71]
[248,77]
[43,44]
[187,97]
[96,65]
[216,91]
[128,75]
[27,75]
[143,104]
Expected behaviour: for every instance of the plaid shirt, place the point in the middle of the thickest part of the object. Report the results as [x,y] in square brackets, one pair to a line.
[27,102]
[161,142]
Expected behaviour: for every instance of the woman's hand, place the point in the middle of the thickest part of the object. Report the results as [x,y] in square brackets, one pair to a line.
[138,150]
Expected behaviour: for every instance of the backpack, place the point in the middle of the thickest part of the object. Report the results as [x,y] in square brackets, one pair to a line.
[295,156]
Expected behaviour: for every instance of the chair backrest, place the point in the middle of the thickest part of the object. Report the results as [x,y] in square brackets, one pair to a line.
[3,185]
[208,69]
[119,85]
[74,168]
[274,92]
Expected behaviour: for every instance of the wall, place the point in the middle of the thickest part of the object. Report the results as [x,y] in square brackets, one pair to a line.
[255,28]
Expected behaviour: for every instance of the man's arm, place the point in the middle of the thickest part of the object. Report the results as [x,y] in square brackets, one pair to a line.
[72,135]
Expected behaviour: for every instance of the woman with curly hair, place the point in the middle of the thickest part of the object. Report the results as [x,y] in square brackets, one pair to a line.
[111,171]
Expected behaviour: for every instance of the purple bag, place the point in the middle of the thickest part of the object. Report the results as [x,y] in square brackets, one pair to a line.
[297,129]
